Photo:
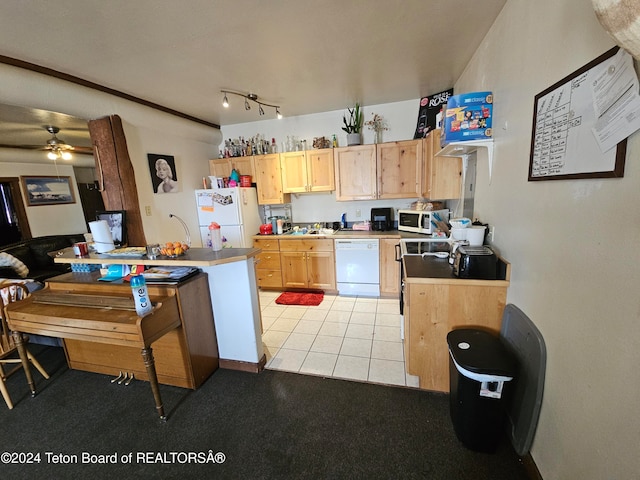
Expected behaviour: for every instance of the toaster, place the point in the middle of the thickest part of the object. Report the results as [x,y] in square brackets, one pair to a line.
[475,262]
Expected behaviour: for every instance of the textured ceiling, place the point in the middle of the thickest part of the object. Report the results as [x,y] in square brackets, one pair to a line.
[306,56]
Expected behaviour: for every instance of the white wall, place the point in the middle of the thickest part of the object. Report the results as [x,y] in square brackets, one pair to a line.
[146,131]
[573,246]
[49,219]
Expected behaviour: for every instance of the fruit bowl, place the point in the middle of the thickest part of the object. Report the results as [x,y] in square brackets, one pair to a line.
[174,249]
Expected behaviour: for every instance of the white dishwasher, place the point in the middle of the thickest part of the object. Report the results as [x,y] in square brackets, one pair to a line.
[358,267]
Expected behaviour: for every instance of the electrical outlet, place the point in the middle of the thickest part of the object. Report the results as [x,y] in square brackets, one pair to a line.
[492,234]
[147,210]
[358,213]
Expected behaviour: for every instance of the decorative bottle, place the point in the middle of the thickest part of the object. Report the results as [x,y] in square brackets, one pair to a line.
[140,295]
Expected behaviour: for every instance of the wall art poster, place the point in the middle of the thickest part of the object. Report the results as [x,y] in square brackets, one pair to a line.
[162,169]
[430,112]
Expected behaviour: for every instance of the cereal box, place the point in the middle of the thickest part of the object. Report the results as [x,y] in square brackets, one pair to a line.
[468,117]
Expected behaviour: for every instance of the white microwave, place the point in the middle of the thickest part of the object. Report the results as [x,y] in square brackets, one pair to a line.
[421,221]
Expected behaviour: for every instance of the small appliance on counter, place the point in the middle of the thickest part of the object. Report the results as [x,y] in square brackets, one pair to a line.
[382,219]
[475,262]
[421,221]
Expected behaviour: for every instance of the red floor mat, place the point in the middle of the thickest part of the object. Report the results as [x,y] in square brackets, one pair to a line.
[300,298]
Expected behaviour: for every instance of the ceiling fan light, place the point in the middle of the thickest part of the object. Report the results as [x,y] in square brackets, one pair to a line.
[52,156]
[66,156]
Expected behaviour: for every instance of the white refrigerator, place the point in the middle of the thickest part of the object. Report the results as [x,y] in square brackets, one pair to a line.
[234,209]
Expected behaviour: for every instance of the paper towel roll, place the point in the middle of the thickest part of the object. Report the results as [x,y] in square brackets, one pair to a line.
[103,241]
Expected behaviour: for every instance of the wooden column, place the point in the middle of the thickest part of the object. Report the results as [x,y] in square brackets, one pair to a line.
[116,177]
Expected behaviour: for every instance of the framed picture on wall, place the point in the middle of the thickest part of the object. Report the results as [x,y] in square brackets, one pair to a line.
[163,173]
[42,190]
[116,220]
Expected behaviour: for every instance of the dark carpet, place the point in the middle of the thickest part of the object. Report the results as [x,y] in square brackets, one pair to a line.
[267,425]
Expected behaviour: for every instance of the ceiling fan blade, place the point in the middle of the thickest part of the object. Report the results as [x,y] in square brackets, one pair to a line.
[78,150]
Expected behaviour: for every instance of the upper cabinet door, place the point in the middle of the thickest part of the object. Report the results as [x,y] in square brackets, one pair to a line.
[320,170]
[400,169]
[243,165]
[269,180]
[220,167]
[294,172]
[309,171]
[442,178]
[355,171]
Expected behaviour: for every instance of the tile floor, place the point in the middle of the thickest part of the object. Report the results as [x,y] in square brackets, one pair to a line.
[355,338]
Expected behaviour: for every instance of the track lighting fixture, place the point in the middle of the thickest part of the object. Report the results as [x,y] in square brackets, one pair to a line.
[247,106]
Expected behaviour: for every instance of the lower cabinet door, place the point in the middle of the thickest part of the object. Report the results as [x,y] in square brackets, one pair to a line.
[294,269]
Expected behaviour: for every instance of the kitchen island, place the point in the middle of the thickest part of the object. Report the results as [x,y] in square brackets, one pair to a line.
[436,302]
[234,297]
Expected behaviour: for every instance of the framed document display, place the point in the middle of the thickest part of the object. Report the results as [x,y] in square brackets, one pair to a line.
[563,143]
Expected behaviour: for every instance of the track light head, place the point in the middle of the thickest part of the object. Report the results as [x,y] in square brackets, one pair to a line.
[225,101]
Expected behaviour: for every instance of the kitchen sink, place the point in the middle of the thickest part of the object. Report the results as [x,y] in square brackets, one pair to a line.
[314,231]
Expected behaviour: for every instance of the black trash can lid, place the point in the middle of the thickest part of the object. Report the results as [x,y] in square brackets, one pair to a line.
[480,352]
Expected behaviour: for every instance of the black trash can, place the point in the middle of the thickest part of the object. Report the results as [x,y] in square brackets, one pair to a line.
[481,371]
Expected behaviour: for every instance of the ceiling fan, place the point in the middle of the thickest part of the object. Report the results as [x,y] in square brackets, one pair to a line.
[57,148]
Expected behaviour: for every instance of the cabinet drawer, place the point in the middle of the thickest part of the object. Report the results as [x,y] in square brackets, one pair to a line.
[268,260]
[311,245]
[266,243]
[269,278]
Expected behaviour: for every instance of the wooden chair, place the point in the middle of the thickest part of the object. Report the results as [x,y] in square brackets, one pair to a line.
[11,292]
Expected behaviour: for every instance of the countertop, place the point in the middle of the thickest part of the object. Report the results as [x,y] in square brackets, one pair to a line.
[194,257]
[430,269]
[347,233]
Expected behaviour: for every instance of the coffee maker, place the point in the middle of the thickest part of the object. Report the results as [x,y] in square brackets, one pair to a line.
[382,219]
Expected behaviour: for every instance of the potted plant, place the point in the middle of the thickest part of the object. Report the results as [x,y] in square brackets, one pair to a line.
[353,125]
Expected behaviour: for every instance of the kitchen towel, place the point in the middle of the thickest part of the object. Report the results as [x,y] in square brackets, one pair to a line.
[313,298]
[103,241]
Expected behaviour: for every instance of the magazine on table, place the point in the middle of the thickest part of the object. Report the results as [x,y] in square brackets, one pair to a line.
[168,274]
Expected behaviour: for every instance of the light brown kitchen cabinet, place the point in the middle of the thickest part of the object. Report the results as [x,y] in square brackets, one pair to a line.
[308,171]
[442,176]
[389,268]
[268,179]
[244,166]
[308,263]
[399,167]
[268,269]
[221,167]
[432,310]
[355,172]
